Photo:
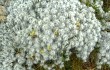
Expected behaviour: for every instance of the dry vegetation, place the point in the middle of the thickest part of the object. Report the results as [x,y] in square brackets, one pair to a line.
[2,13]
[76,63]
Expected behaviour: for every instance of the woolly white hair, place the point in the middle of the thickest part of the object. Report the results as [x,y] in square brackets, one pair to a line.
[47,30]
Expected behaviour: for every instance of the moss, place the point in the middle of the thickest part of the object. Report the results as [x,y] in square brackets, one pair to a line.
[106,5]
[68,65]
[93,57]
[76,62]
[105,67]
[37,67]
[97,12]
[106,30]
